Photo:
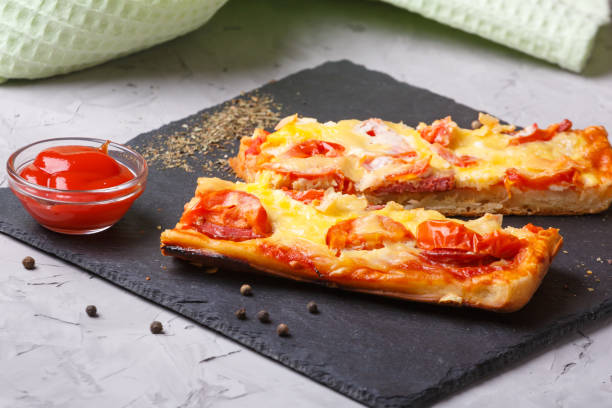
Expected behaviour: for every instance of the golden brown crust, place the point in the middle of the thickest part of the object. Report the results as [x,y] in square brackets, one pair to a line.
[471,202]
[501,291]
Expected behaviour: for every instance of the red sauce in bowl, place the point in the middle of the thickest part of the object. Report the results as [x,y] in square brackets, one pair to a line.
[82,188]
[76,168]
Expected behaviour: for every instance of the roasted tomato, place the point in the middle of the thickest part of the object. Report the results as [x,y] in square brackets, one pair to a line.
[499,244]
[452,158]
[230,215]
[563,178]
[293,256]
[258,139]
[366,233]
[534,133]
[440,131]
[309,148]
[533,228]
[307,196]
[457,241]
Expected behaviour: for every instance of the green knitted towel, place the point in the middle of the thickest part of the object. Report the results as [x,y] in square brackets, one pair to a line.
[40,38]
[559,31]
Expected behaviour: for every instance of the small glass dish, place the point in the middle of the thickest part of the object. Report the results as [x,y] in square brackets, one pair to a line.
[77,212]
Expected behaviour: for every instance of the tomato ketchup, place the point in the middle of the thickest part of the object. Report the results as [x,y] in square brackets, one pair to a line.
[83,189]
[76,168]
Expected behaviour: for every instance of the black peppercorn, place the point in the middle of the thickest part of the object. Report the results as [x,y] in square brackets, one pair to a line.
[263,316]
[156,327]
[241,313]
[312,307]
[246,290]
[28,262]
[282,330]
[91,311]
[476,124]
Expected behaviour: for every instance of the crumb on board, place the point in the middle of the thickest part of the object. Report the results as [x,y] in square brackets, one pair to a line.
[564,251]
[216,131]
[148,278]
[590,289]
[158,227]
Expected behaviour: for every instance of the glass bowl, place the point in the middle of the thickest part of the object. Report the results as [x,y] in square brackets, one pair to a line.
[77,212]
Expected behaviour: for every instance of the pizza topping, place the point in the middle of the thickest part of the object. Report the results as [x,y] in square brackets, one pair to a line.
[563,179]
[366,233]
[492,123]
[292,256]
[309,148]
[307,196]
[412,168]
[440,131]
[452,240]
[259,137]
[452,158]
[388,170]
[228,214]
[601,154]
[534,133]
[377,162]
[533,228]
[314,178]
[380,133]
[457,257]
[419,185]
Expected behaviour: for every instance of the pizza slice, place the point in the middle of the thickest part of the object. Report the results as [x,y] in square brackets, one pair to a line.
[343,241]
[495,168]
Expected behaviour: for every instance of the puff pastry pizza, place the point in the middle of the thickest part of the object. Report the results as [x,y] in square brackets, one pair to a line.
[342,240]
[495,168]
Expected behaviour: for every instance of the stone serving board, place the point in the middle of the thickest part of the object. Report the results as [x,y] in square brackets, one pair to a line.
[381,352]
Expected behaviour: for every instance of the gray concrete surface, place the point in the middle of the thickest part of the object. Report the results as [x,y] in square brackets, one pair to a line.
[53,355]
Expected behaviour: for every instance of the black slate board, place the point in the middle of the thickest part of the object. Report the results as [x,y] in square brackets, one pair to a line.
[382,352]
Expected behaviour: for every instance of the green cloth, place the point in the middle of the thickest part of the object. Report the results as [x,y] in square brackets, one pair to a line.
[41,38]
[559,31]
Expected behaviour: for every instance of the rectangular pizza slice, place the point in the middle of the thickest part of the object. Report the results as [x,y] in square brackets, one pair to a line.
[494,168]
[343,241]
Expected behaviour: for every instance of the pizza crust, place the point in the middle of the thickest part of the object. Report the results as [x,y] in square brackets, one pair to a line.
[476,200]
[502,291]
[471,202]
[505,288]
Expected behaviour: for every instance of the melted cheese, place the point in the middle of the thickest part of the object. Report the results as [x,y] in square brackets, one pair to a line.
[488,144]
[306,226]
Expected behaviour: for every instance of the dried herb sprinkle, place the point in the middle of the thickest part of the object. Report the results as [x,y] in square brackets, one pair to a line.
[215,131]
